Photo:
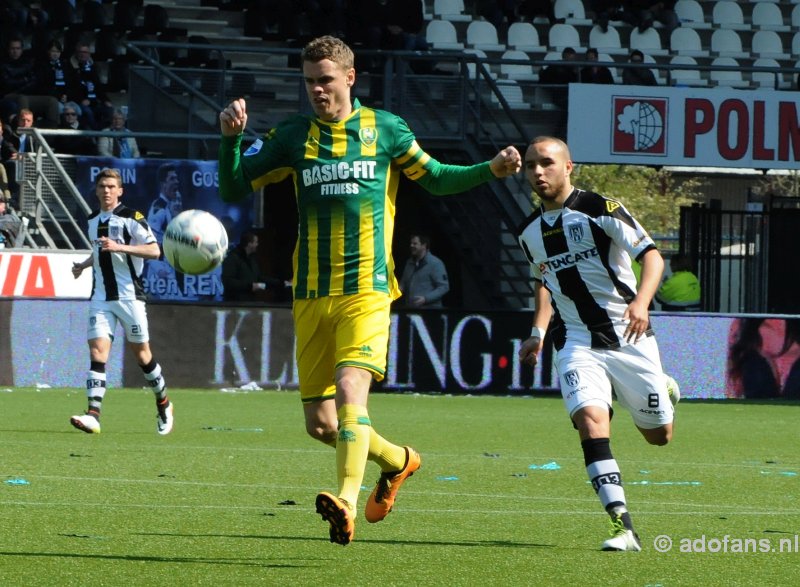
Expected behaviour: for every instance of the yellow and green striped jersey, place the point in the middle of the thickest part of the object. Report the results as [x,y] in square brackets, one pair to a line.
[345,176]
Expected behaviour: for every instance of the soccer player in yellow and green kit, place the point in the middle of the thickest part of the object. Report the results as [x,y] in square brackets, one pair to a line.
[345,162]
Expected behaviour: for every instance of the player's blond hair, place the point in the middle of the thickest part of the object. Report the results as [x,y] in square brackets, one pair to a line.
[329,47]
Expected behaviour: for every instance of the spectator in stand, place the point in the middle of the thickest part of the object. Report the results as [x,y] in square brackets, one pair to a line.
[561,73]
[605,10]
[74,144]
[19,144]
[51,72]
[22,142]
[424,282]
[242,278]
[531,9]
[87,90]
[16,78]
[595,74]
[642,13]
[5,192]
[405,26]
[638,76]
[120,145]
[501,13]
[7,149]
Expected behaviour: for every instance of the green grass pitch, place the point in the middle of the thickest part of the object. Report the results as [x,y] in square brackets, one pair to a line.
[228,497]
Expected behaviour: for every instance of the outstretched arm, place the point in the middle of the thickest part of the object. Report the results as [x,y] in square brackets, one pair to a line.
[232,120]
[441,179]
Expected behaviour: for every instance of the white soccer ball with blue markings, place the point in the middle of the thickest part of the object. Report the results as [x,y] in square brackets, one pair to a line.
[195,242]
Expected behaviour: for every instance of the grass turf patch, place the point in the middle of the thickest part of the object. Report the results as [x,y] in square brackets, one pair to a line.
[228,497]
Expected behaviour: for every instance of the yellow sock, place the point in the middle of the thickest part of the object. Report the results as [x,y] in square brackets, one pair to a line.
[388,456]
[352,449]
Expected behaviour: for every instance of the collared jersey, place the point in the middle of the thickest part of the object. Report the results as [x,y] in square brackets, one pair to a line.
[118,276]
[345,176]
[580,253]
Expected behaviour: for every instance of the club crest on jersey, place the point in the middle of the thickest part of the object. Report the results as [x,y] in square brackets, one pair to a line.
[611,205]
[572,379]
[575,232]
[254,148]
[368,135]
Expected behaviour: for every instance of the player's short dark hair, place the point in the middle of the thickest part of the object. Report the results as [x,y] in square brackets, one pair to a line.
[328,47]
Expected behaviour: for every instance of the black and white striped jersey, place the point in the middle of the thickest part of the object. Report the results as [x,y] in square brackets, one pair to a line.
[117,276]
[582,254]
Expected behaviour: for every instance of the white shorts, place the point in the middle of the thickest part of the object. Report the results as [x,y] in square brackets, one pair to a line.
[633,372]
[104,316]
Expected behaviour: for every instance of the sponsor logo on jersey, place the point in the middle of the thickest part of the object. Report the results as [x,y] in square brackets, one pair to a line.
[572,378]
[611,205]
[368,135]
[575,232]
[254,148]
[567,260]
[337,171]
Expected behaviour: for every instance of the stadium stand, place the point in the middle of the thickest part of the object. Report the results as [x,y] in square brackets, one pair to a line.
[563,35]
[648,42]
[523,36]
[768,17]
[729,15]
[482,35]
[768,44]
[517,71]
[690,14]
[571,12]
[727,43]
[441,34]
[607,42]
[686,41]
[452,10]
[731,78]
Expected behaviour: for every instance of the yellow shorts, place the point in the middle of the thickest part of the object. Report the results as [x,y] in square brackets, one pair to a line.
[339,331]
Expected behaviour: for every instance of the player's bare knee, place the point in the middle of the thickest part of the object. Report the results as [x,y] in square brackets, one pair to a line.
[320,432]
[658,436]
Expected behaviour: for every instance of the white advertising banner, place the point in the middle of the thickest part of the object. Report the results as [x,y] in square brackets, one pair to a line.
[716,127]
[32,274]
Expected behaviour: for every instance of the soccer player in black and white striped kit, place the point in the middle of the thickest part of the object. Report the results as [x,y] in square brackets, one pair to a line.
[121,241]
[580,245]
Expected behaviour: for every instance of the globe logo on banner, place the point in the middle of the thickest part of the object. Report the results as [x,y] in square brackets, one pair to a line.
[639,126]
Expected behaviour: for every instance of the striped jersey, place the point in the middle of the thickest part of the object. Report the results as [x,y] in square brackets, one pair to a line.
[118,276]
[582,254]
[345,175]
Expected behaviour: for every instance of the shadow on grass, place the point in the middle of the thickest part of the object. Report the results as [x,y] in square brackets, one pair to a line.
[160,559]
[477,543]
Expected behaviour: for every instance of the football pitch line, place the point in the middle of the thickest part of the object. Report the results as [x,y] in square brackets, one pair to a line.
[471,512]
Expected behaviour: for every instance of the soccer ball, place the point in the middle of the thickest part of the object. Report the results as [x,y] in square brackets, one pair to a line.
[195,242]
